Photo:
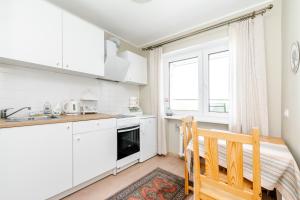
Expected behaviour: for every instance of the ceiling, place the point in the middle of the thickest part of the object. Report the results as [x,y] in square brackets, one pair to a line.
[144,23]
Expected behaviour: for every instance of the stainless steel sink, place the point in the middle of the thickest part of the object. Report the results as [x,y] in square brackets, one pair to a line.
[23,119]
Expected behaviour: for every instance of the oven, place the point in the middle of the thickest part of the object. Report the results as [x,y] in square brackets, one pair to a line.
[128,141]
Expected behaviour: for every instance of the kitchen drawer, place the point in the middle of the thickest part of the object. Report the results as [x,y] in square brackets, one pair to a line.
[92,125]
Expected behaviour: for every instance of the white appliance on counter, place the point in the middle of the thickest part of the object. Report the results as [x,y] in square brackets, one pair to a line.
[71,107]
[88,103]
[89,106]
[134,106]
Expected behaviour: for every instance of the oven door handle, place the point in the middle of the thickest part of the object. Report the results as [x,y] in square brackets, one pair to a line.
[126,130]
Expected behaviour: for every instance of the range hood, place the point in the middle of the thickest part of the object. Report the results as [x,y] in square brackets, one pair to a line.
[115,67]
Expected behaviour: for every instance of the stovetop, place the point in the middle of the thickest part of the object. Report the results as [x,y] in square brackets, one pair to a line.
[123,116]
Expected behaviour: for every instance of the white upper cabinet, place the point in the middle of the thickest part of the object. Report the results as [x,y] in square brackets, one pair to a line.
[37,32]
[137,72]
[30,32]
[83,46]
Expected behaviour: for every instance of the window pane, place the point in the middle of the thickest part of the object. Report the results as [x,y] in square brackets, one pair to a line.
[219,82]
[184,85]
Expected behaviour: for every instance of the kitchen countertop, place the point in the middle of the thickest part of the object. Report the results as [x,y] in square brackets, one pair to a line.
[61,119]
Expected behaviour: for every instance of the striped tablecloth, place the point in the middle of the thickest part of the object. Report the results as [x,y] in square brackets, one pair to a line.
[278,168]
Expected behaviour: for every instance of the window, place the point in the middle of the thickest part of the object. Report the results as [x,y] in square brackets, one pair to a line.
[198,81]
[218,66]
[184,84]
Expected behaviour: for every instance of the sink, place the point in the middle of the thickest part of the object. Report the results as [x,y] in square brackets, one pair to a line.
[24,119]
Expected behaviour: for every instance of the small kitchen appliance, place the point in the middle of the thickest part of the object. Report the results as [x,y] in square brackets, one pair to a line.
[71,107]
[89,103]
[88,106]
[134,106]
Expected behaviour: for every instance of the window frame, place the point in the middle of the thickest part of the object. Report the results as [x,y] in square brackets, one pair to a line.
[208,51]
[201,51]
[176,59]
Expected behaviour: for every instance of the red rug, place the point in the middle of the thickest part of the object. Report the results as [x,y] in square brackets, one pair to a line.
[157,185]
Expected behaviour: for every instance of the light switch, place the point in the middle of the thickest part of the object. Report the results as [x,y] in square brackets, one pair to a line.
[286,113]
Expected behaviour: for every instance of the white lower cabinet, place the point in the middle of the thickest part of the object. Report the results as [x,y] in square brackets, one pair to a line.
[39,162]
[148,138]
[35,161]
[94,149]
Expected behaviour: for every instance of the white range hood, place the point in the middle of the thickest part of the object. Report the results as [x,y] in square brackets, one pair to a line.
[115,67]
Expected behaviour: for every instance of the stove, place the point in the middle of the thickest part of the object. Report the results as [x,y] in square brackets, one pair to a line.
[128,141]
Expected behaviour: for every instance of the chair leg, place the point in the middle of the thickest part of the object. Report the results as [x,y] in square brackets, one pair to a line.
[186,180]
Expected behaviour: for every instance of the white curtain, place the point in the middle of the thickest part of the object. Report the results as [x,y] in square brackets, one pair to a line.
[249,107]
[157,97]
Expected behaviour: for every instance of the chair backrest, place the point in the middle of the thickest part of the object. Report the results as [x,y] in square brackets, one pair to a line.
[187,130]
[234,159]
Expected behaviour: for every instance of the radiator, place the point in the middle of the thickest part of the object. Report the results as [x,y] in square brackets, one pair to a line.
[181,146]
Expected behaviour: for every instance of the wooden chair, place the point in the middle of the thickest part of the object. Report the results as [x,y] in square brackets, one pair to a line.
[187,136]
[210,185]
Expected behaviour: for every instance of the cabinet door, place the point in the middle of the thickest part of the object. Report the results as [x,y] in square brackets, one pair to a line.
[83,46]
[31,31]
[148,138]
[137,72]
[35,161]
[94,153]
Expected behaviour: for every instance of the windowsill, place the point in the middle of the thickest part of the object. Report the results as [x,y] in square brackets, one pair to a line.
[199,119]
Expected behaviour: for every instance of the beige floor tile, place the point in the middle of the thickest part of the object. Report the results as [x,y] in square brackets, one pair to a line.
[112,184]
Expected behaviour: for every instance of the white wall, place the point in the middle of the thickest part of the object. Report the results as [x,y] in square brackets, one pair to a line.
[290,81]
[21,86]
[273,57]
[274,66]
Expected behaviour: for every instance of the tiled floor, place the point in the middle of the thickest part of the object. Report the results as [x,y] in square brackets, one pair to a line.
[111,184]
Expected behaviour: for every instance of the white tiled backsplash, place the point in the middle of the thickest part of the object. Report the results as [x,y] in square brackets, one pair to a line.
[30,87]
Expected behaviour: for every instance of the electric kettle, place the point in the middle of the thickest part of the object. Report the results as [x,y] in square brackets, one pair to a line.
[71,107]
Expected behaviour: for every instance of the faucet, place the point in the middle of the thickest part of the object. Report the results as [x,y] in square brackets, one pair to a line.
[4,112]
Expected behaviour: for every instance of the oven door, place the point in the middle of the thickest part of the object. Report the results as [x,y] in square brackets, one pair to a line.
[128,141]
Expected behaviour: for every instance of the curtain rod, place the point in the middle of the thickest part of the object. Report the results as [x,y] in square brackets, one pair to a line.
[218,25]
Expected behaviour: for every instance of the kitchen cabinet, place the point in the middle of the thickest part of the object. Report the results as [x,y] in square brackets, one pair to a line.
[83,46]
[36,33]
[31,32]
[148,138]
[35,161]
[137,71]
[94,149]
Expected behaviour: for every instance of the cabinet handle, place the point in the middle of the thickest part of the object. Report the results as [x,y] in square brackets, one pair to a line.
[68,127]
[78,139]
[67,66]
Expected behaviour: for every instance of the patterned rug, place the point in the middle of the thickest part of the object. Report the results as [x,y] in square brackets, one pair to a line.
[157,185]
